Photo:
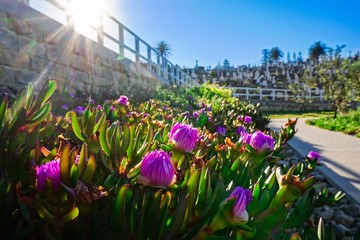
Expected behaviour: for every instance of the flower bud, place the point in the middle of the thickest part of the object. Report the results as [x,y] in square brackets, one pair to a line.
[183,137]
[157,169]
[242,199]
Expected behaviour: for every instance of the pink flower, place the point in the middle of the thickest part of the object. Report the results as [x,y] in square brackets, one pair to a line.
[49,170]
[183,137]
[261,142]
[157,169]
[247,119]
[313,156]
[123,100]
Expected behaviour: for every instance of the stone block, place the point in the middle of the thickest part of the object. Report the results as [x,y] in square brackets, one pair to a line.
[14,59]
[7,39]
[7,76]
[18,26]
[37,64]
[107,73]
[36,33]
[3,19]
[60,56]
[23,77]
[31,47]
[79,76]
[80,63]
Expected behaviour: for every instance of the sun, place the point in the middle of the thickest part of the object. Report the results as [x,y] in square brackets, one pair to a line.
[86,16]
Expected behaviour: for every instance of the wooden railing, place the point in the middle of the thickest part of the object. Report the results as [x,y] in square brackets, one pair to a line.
[112,34]
[275,94]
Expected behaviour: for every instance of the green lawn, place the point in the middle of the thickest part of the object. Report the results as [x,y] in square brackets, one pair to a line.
[276,115]
[348,123]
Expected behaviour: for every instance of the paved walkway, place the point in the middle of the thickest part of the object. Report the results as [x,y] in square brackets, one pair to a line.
[340,154]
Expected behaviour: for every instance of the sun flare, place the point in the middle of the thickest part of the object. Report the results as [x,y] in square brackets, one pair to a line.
[86,15]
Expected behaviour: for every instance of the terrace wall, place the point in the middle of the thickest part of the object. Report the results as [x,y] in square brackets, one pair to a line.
[33,47]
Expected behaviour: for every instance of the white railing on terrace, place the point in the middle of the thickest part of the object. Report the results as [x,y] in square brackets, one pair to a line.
[275,94]
[112,34]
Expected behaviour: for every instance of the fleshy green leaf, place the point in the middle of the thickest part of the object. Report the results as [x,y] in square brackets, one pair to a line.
[90,169]
[76,127]
[65,164]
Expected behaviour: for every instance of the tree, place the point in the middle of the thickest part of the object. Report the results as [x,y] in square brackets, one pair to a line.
[317,50]
[276,54]
[163,48]
[265,56]
[288,57]
[294,56]
[226,64]
[300,58]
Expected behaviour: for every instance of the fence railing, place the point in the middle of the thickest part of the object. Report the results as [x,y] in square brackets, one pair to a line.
[112,34]
[276,94]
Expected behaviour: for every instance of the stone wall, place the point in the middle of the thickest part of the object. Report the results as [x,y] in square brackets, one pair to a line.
[33,47]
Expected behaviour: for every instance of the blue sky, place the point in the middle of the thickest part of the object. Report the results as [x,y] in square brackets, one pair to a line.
[213,30]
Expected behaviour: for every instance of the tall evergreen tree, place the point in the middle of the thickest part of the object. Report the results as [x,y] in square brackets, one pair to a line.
[265,56]
[288,57]
[299,57]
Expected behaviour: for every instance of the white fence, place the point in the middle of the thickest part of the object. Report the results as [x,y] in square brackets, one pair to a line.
[112,34]
[275,94]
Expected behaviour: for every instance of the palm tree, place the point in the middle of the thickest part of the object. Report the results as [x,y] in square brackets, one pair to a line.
[276,54]
[317,50]
[163,48]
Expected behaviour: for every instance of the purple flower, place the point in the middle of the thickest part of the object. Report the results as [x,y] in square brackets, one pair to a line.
[112,108]
[145,115]
[123,100]
[240,130]
[261,142]
[49,170]
[242,199]
[157,169]
[65,106]
[221,130]
[247,119]
[246,137]
[99,107]
[195,114]
[79,110]
[183,137]
[313,156]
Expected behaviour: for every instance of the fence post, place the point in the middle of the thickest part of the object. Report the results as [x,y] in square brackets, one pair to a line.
[247,93]
[149,57]
[260,94]
[100,31]
[137,49]
[121,42]
[273,95]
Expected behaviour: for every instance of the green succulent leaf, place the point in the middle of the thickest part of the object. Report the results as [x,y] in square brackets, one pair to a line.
[76,127]
[90,170]
[74,213]
[65,164]
[29,95]
[103,138]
